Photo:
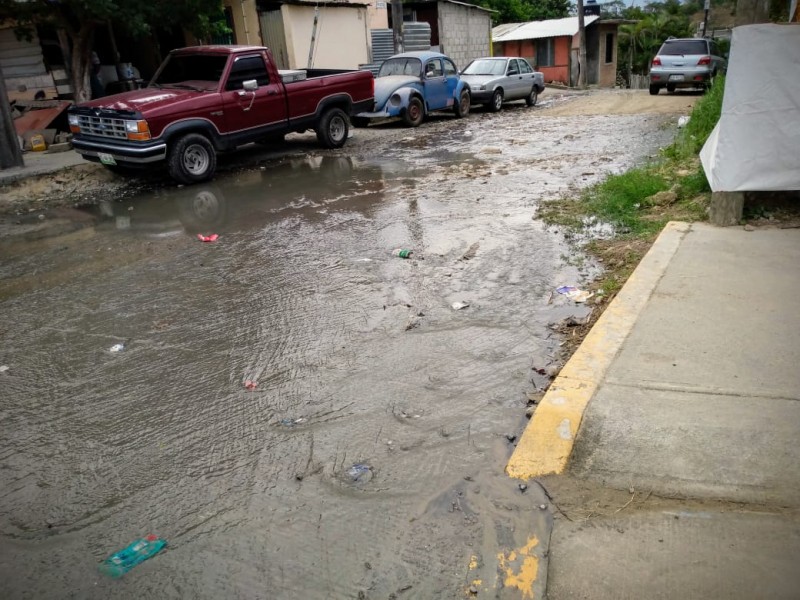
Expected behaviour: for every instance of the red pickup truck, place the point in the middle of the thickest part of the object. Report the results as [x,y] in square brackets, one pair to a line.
[208,99]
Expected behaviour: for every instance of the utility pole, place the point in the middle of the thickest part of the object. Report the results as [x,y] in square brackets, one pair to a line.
[10,154]
[706,7]
[581,47]
[397,25]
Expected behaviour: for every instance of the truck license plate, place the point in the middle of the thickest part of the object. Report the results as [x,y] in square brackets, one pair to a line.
[676,77]
[106,159]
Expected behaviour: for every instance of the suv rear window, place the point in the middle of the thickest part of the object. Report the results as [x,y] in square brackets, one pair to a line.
[683,47]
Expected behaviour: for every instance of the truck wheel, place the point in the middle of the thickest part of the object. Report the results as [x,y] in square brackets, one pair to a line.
[359,122]
[192,159]
[414,113]
[333,128]
[461,109]
[654,90]
[496,103]
[533,97]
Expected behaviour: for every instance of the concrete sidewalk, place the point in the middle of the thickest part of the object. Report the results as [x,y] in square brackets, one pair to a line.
[694,414]
[41,163]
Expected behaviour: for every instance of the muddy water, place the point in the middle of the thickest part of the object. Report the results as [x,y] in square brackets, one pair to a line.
[368,460]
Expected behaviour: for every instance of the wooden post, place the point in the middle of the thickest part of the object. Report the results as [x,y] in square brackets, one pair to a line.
[581,47]
[726,208]
[397,25]
[10,154]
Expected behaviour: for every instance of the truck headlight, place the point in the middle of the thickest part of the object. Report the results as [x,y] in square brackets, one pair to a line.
[137,130]
[74,123]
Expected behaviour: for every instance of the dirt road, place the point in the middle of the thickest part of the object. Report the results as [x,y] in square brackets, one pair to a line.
[368,460]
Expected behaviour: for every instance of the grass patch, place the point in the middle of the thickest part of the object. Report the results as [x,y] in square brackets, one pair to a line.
[639,202]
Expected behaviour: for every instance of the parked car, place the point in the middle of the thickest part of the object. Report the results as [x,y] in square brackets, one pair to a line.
[686,62]
[413,84]
[494,80]
[207,99]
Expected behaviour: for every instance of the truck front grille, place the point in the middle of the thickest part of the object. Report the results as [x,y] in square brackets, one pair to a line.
[103,126]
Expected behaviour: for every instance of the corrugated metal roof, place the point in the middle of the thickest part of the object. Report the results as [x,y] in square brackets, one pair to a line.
[540,29]
[505,28]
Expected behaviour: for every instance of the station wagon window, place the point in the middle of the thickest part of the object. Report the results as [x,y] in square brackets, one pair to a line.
[683,47]
[545,52]
[400,66]
[449,68]
[433,69]
[246,68]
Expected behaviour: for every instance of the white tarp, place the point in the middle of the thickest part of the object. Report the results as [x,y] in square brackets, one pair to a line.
[756,143]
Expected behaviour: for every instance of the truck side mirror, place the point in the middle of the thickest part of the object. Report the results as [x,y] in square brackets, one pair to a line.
[251,85]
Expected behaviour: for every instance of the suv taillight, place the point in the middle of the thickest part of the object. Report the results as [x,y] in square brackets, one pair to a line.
[704,60]
[656,62]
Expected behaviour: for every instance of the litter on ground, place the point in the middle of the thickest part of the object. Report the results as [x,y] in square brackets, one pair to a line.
[207,238]
[574,294]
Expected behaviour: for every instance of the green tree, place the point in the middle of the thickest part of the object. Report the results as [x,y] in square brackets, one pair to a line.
[639,42]
[81,18]
[520,11]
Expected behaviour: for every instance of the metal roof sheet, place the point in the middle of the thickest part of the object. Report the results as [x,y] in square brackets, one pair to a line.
[540,29]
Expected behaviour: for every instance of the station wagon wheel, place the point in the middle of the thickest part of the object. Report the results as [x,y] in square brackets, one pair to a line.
[461,108]
[533,97]
[414,113]
[192,159]
[497,100]
[333,128]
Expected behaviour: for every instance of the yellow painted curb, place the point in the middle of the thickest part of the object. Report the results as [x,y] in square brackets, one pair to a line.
[547,442]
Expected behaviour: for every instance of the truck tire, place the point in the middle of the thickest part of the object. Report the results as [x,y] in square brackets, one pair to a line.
[414,113]
[191,159]
[461,108]
[333,128]
[533,97]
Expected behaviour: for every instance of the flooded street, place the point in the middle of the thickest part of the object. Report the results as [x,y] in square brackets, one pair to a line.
[368,460]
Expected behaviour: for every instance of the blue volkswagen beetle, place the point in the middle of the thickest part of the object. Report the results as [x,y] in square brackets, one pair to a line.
[413,84]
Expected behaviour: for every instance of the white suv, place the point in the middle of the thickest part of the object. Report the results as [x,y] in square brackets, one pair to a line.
[686,62]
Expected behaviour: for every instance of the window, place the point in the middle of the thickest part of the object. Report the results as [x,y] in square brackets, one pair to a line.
[683,47]
[449,68]
[196,68]
[400,66]
[524,66]
[245,69]
[609,48]
[433,69]
[513,67]
[545,52]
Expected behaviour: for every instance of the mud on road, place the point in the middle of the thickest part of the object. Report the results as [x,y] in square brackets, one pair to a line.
[368,460]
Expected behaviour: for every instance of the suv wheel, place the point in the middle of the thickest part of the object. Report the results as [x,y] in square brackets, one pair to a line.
[654,90]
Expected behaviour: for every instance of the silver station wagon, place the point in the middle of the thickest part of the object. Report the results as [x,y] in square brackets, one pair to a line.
[686,62]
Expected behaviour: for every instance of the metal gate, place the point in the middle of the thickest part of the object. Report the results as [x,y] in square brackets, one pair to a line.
[273,36]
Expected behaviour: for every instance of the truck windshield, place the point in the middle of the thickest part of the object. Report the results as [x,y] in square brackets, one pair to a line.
[486,67]
[401,66]
[193,71]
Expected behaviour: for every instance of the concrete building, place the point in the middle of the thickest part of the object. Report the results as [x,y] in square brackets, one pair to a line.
[552,47]
[460,30]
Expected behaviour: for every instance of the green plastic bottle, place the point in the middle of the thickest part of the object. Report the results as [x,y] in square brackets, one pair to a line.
[121,562]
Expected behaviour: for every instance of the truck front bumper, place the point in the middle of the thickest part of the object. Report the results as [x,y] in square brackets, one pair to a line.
[137,153]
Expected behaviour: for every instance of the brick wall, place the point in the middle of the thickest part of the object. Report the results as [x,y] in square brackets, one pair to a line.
[464,33]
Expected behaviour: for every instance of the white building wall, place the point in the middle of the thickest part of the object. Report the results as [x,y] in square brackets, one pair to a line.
[341,40]
[464,33]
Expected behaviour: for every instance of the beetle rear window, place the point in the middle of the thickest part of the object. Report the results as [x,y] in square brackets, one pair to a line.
[683,47]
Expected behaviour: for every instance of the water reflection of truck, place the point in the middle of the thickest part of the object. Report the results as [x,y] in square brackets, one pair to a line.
[207,99]
[308,186]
